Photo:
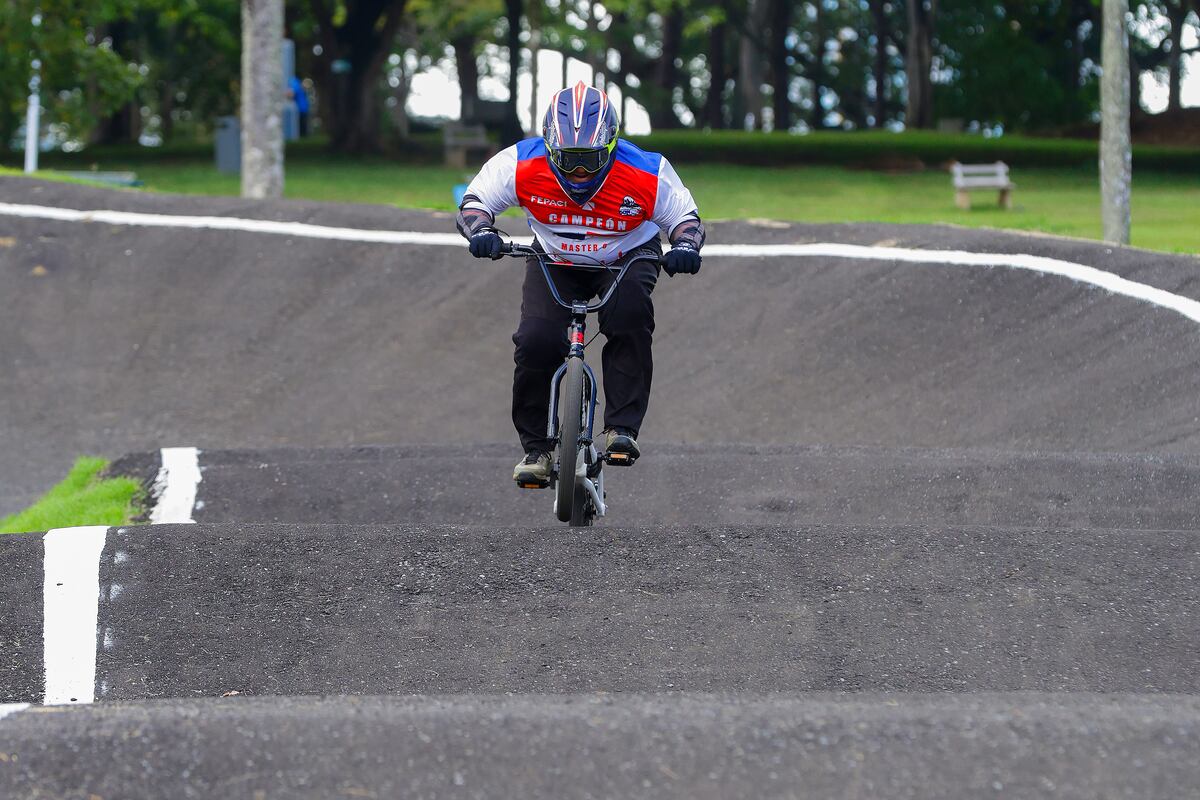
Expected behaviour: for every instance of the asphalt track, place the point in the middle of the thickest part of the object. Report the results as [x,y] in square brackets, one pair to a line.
[817,745]
[902,530]
[138,338]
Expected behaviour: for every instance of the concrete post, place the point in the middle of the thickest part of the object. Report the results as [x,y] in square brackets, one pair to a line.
[33,121]
[1116,153]
[262,98]
[33,111]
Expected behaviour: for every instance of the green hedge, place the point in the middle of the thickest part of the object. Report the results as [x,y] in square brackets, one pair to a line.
[873,149]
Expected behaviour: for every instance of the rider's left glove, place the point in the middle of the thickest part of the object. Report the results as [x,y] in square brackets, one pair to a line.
[682,258]
[486,244]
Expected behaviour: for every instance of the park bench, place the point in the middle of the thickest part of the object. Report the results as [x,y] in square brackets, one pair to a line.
[971,177]
[459,140]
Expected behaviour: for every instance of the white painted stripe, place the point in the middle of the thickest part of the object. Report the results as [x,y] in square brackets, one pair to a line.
[11,708]
[1050,266]
[70,601]
[299,229]
[176,485]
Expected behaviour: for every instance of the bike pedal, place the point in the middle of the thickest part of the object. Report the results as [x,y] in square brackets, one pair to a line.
[532,485]
[619,459]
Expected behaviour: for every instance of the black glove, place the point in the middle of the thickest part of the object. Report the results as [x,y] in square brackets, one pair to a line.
[486,244]
[682,258]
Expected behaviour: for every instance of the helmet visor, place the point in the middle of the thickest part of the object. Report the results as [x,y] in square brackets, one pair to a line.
[592,160]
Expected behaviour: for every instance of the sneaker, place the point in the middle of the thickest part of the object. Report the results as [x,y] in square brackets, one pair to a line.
[620,447]
[533,471]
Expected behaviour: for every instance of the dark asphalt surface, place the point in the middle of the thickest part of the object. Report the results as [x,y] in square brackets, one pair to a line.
[138,338]
[935,483]
[679,484]
[199,610]
[1090,747]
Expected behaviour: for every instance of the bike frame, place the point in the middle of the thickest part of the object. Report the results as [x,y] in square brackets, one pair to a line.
[593,481]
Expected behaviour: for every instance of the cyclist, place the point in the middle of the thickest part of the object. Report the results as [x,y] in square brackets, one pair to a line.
[591,199]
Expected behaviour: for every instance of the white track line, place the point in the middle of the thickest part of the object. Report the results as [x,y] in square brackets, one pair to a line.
[176,485]
[11,708]
[70,602]
[301,229]
[1050,266]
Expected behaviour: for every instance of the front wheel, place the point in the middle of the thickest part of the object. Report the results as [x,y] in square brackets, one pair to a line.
[569,492]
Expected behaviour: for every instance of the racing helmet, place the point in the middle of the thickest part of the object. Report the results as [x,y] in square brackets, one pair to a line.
[580,130]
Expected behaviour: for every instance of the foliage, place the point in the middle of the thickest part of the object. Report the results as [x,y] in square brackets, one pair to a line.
[82,78]
[84,497]
[124,68]
[908,150]
[1026,66]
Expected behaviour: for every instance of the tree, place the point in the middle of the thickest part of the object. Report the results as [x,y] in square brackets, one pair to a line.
[781,70]
[882,37]
[919,63]
[1115,149]
[1177,12]
[355,38]
[1047,51]
[188,53]
[512,123]
[666,73]
[750,64]
[464,24]
[67,47]
[718,71]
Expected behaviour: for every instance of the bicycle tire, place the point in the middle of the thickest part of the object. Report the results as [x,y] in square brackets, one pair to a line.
[582,513]
[568,491]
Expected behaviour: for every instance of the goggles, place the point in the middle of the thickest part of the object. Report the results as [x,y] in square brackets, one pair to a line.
[592,160]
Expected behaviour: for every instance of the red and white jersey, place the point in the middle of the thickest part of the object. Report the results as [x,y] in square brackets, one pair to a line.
[640,197]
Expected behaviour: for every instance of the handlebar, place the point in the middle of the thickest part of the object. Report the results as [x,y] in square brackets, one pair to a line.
[514,249]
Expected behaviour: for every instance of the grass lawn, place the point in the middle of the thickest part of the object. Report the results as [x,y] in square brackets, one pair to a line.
[1054,200]
[83,498]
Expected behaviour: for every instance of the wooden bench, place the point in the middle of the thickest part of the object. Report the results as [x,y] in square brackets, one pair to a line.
[971,177]
[459,140]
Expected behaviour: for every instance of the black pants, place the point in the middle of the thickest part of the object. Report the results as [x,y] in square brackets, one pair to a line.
[627,322]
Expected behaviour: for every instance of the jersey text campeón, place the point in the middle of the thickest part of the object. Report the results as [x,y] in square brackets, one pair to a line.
[640,197]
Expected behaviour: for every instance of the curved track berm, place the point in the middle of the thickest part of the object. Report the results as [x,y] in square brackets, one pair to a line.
[901,530]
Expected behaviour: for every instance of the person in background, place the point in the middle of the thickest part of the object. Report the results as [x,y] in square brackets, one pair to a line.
[297,94]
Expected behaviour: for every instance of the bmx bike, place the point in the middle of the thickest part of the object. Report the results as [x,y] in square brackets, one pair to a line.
[577,475]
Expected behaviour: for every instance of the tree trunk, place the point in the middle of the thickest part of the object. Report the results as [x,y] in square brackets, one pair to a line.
[882,36]
[399,94]
[816,71]
[535,36]
[751,64]
[119,126]
[166,109]
[919,62]
[666,73]
[1115,151]
[714,105]
[468,76]
[512,132]
[262,98]
[781,72]
[1177,11]
[360,46]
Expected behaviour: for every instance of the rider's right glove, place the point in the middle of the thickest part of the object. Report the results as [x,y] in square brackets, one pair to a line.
[486,244]
[682,258]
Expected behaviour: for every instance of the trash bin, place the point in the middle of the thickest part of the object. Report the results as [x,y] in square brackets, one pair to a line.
[229,145]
